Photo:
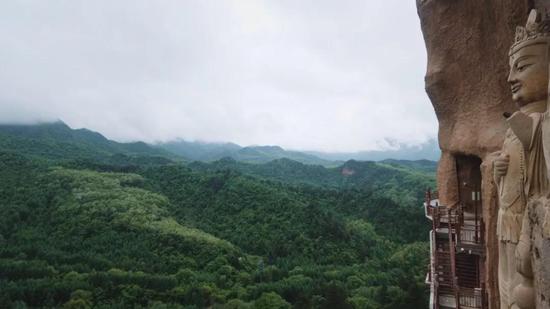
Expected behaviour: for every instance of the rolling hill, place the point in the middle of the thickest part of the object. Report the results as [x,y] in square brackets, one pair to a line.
[88,222]
[403,182]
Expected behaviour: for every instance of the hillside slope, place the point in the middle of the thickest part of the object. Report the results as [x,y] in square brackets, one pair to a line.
[84,226]
[65,231]
[401,181]
[57,141]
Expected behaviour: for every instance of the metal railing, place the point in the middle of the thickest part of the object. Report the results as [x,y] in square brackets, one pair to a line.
[470,235]
[471,298]
[471,230]
[429,206]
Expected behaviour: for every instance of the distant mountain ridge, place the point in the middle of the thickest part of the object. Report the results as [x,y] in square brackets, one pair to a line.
[427,151]
[207,152]
[57,141]
[201,151]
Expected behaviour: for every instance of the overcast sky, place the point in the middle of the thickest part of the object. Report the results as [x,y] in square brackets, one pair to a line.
[309,75]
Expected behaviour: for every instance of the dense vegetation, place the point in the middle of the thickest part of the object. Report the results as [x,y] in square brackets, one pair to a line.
[121,228]
[400,182]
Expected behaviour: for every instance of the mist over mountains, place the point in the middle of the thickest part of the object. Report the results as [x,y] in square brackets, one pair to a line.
[55,134]
[204,151]
[427,151]
[201,151]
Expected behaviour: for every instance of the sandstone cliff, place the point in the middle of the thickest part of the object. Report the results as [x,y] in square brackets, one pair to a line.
[467,42]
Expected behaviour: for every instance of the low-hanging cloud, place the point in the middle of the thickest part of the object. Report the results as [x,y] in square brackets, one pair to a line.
[317,75]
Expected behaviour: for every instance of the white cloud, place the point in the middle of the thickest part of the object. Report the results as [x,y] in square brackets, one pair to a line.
[323,75]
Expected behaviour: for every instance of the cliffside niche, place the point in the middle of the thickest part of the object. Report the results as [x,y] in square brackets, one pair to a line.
[467,43]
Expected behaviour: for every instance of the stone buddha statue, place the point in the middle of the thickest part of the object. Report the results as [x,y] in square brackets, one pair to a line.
[520,171]
[533,250]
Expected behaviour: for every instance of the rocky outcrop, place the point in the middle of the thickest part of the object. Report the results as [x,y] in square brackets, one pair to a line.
[467,42]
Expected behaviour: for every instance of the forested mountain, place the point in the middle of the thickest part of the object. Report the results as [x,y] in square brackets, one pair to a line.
[198,151]
[93,224]
[399,181]
[57,141]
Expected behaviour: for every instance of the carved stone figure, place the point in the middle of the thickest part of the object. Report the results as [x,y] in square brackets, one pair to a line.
[533,250]
[520,171]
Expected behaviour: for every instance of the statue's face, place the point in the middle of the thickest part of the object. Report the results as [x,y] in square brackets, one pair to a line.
[528,76]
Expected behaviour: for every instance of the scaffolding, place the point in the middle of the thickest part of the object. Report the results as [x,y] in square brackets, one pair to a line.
[457,254]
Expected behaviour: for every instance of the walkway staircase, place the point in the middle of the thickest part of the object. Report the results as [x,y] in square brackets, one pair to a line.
[457,250]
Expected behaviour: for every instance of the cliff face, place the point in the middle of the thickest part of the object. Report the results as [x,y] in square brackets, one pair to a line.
[467,42]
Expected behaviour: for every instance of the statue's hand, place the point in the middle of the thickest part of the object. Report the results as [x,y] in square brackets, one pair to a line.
[523,251]
[523,260]
[501,165]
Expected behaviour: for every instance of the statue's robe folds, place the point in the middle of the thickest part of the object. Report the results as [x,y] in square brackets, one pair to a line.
[528,128]
[523,179]
[510,216]
[533,252]
[529,131]
[512,200]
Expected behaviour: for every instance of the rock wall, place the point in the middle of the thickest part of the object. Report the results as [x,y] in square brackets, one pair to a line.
[467,42]
[539,217]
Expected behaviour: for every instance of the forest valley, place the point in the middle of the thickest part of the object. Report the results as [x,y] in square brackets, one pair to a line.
[88,222]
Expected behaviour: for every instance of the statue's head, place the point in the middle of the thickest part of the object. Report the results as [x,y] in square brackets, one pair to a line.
[528,76]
